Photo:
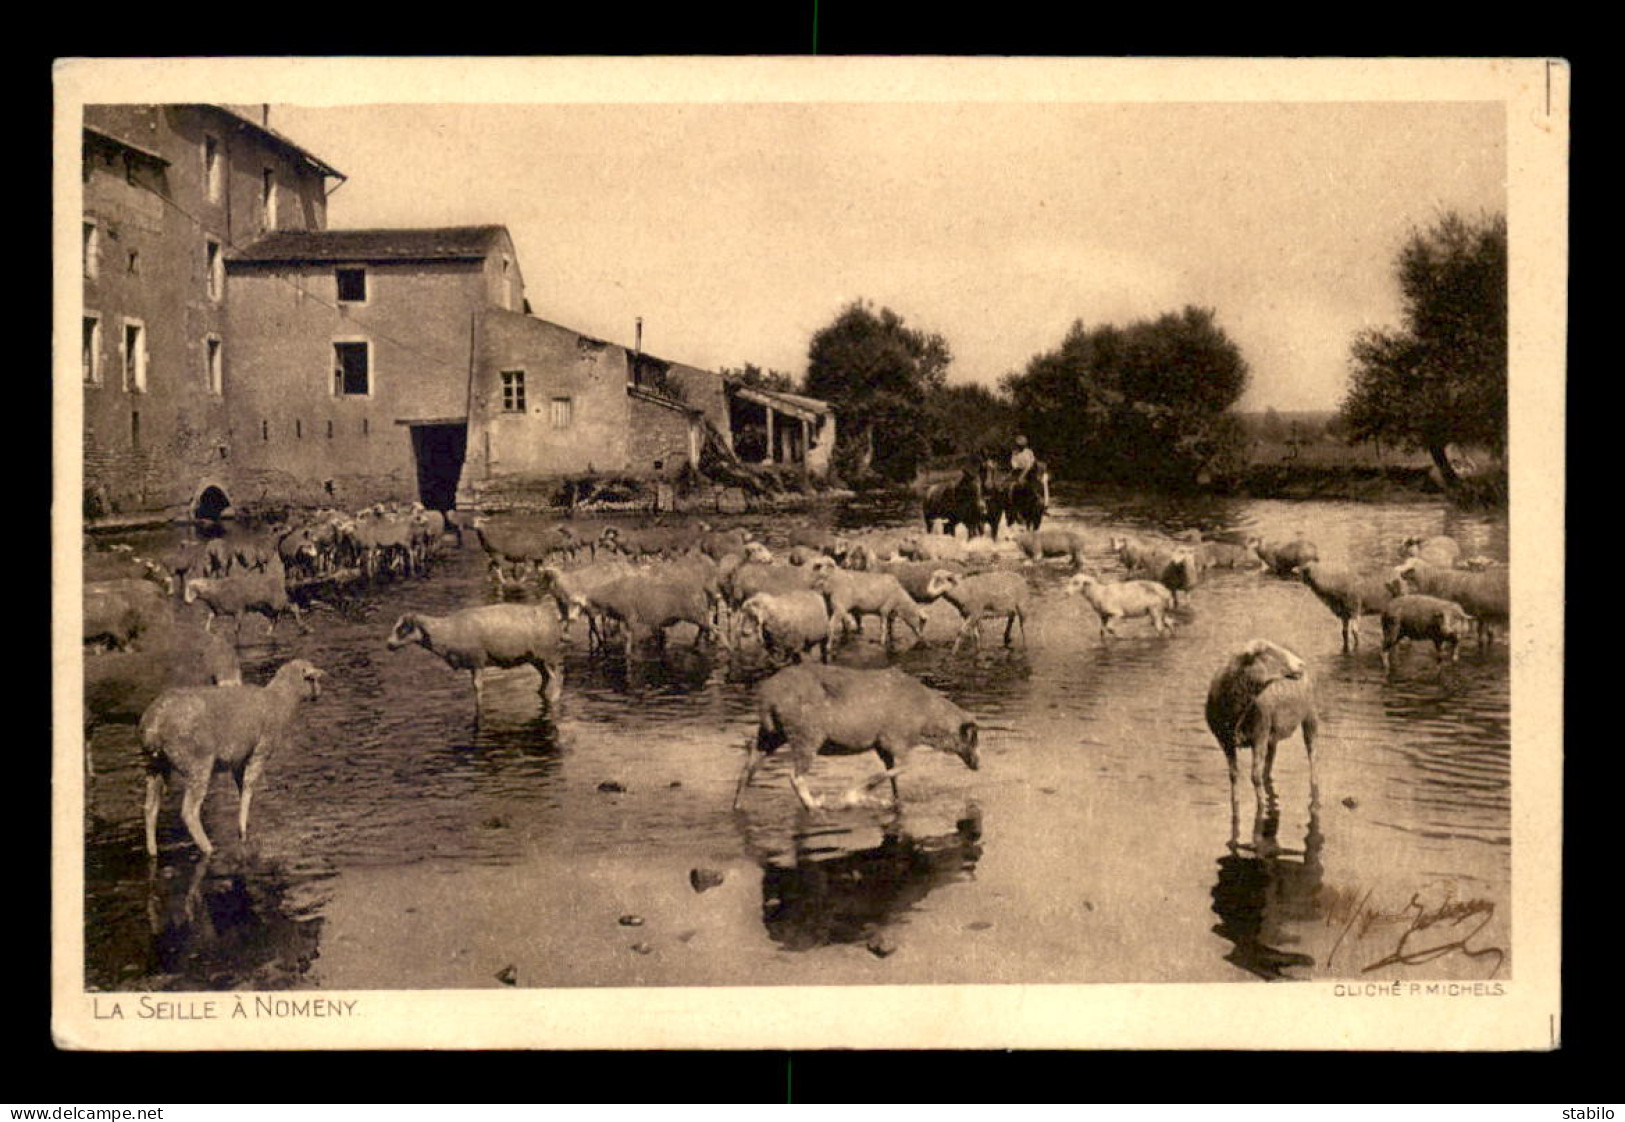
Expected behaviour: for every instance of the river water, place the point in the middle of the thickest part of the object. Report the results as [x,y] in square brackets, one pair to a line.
[394,845]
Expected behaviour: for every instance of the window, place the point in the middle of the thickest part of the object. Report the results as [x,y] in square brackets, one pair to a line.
[330,430]
[91,352]
[268,199]
[352,285]
[93,250]
[135,429]
[513,391]
[213,181]
[134,265]
[351,369]
[215,262]
[133,355]
[561,412]
[298,430]
[265,430]
[211,364]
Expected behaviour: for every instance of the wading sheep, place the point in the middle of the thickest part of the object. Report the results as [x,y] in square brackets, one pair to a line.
[1423,617]
[1283,557]
[647,605]
[497,635]
[1442,550]
[1036,545]
[787,623]
[932,547]
[1230,555]
[1348,595]
[755,576]
[915,577]
[571,590]
[119,612]
[833,710]
[983,595]
[1177,570]
[190,733]
[1487,595]
[1258,699]
[265,593]
[851,596]
[1124,600]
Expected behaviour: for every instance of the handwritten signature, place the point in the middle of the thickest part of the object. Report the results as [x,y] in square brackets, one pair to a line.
[1429,930]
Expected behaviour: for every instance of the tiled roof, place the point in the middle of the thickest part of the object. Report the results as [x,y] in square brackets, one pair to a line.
[266,130]
[446,243]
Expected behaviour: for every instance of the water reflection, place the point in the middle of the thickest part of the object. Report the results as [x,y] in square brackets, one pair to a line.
[1264,889]
[826,894]
[210,924]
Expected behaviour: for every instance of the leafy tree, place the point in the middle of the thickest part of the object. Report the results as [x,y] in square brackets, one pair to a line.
[967,419]
[1139,404]
[752,375]
[1441,379]
[877,372]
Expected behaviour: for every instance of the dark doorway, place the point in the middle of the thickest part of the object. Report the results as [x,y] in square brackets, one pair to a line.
[211,503]
[439,451]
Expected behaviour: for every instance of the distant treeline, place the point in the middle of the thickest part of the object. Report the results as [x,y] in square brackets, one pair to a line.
[1152,403]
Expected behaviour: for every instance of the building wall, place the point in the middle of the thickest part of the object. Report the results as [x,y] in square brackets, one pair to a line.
[557,363]
[703,390]
[282,323]
[659,440]
[152,449]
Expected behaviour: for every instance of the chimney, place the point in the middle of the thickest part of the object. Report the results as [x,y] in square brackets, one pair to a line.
[637,347]
[265,115]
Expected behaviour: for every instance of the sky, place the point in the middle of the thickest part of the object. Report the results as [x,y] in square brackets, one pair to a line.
[737,230]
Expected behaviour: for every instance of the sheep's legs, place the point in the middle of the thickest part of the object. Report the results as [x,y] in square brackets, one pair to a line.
[191,811]
[155,794]
[247,778]
[479,695]
[552,687]
[752,759]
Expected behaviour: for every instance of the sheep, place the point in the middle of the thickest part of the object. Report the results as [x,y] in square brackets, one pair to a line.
[192,731]
[850,595]
[118,612]
[265,593]
[1124,600]
[1347,594]
[1487,596]
[717,544]
[1259,698]
[652,604]
[571,589]
[755,576]
[833,710]
[1039,544]
[1283,557]
[932,547]
[1230,555]
[1133,552]
[985,594]
[1177,570]
[790,623]
[1442,550]
[496,635]
[123,564]
[1423,617]
[805,554]
[915,577]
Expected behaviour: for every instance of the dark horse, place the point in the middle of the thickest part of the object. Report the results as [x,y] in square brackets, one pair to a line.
[961,503]
[1021,501]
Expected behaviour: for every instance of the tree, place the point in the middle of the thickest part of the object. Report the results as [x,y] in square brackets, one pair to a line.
[1441,379]
[877,373]
[752,375]
[1140,404]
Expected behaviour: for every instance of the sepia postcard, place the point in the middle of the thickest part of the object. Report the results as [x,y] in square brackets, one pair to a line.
[740,553]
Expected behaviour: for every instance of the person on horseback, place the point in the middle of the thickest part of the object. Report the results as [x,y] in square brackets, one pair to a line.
[1023,461]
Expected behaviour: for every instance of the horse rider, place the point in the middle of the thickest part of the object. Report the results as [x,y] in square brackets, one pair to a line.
[1022,462]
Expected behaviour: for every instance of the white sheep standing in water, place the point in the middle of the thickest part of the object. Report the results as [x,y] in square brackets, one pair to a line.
[1259,698]
[191,732]
[1124,600]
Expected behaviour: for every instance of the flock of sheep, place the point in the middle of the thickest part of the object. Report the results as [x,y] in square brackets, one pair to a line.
[614,587]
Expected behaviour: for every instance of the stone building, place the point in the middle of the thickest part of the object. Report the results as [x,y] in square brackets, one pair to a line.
[237,351]
[169,190]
